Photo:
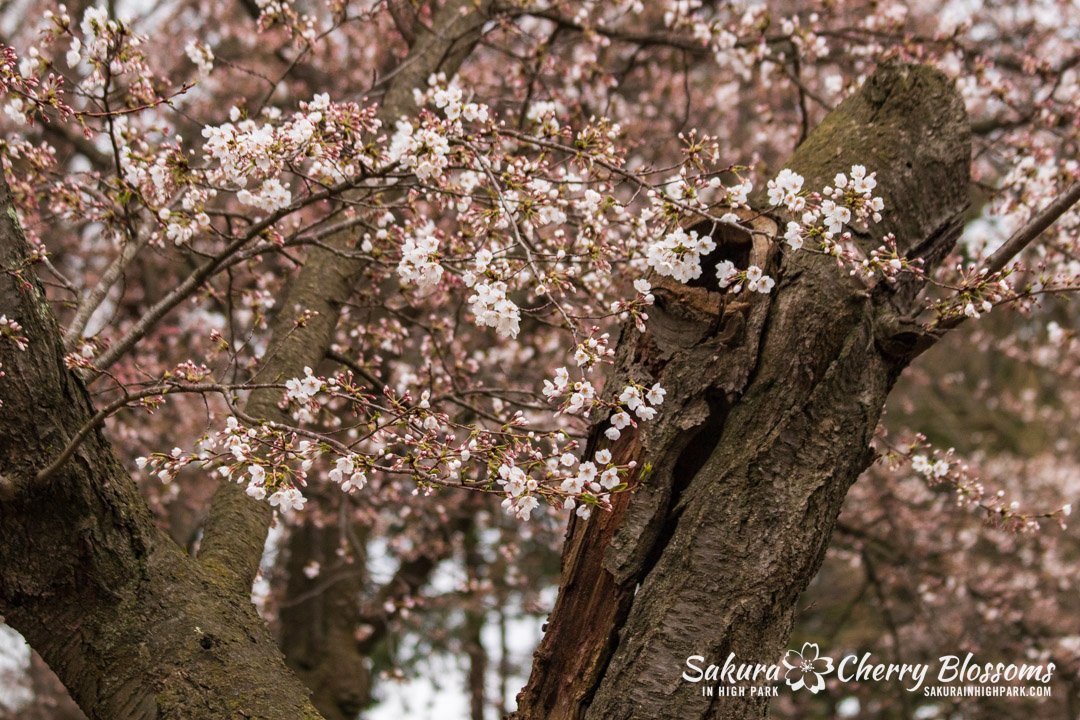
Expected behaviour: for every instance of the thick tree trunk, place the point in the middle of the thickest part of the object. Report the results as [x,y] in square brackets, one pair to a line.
[237,525]
[133,626]
[772,403]
[473,630]
[319,615]
[331,624]
[319,633]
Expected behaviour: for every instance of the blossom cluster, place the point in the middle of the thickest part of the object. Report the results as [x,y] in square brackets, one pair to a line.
[419,263]
[514,236]
[637,400]
[729,276]
[493,309]
[943,468]
[824,215]
[532,218]
[275,461]
[12,332]
[975,292]
[678,254]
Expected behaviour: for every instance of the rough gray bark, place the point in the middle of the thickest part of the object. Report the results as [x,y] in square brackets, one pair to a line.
[773,400]
[133,626]
[772,404]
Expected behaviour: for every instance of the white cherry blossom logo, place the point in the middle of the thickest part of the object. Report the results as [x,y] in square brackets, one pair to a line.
[807,668]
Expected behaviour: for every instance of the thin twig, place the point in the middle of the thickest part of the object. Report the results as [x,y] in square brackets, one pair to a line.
[1027,234]
[100,416]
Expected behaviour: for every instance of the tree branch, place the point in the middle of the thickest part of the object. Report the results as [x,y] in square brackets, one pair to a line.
[760,436]
[1035,227]
[1003,256]
[129,397]
[237,524]
[153,633]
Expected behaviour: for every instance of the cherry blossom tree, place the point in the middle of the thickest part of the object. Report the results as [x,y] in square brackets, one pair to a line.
[291,289]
